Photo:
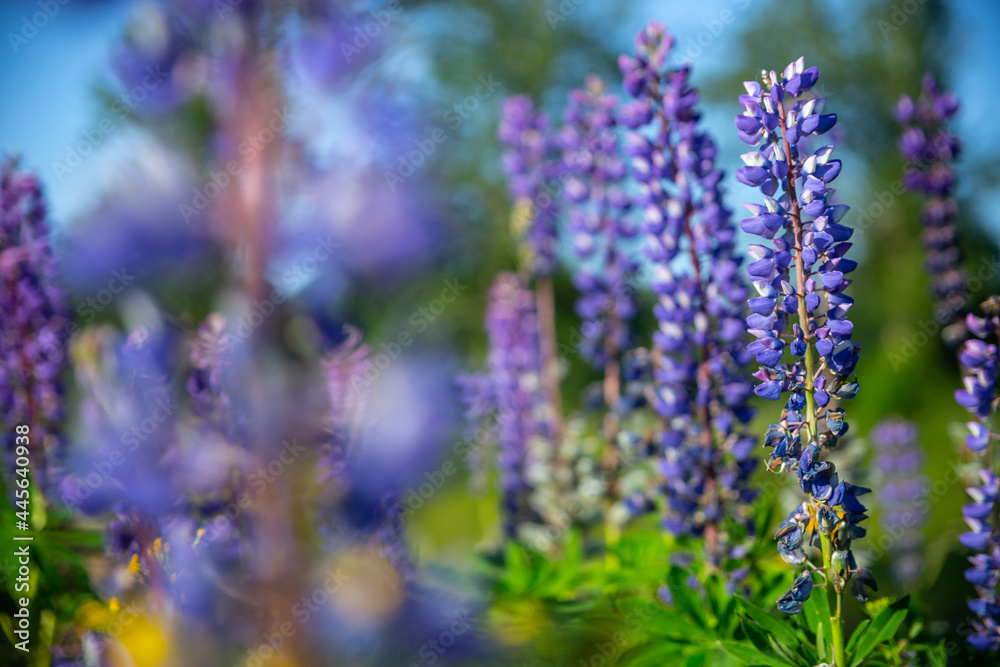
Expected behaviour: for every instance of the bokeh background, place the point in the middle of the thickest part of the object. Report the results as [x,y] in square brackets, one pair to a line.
[451,220]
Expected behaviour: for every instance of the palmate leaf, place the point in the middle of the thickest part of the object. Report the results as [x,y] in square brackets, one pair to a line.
[881,629]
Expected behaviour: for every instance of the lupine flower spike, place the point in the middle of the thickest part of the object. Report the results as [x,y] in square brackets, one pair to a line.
[532,163]
[34,329]
[979,396]
[511,385]
[699,391]
[898,462]
[597,203]
[800,320]
[929,148]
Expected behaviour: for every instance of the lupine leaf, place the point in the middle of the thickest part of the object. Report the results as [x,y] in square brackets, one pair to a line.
[781,630]
[817,613]
[821,651]
[685,598]
[651,654]
[858,633]
[750,655]
[766,643]
[881,629]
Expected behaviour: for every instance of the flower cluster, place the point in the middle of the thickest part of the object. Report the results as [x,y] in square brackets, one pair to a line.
[512,386]
[929,148]
[530,163]
[979,397]
[700,391]
[801,278]
[597,203]
[34,330]
[898,461]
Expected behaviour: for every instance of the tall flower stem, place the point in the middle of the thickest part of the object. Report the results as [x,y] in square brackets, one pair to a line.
[835,596]
[809,361]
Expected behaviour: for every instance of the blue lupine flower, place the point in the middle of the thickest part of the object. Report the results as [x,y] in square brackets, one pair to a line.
[531,164]
[596,204]
[898,459]
[700,388]
[929,148]
[979,397]
[511,386]
[799,317]
[792,601]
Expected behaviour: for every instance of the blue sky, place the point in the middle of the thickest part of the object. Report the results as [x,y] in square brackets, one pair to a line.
[50,85]
[52,78]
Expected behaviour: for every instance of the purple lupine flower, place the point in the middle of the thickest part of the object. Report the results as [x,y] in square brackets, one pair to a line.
[215,384]
[508,397]
[898,462]
[800,277]
[700,391]
[530,161]
[34,330]
[596,204]
[929,148]
[979,397]
[514,367]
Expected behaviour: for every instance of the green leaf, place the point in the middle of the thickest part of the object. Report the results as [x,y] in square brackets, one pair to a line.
[816,611]
[657,654]
[858,633]
[881,629]
[685,598]
[821,651]
[776,627]
[749,655]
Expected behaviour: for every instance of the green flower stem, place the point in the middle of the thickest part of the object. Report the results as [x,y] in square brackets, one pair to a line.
[809,362]
[839,655]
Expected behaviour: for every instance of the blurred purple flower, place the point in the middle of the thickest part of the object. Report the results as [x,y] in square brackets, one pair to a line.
[929,148]
[34,330]
[898,462]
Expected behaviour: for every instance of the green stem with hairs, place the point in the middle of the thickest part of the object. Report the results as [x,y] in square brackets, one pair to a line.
[809,363]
